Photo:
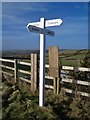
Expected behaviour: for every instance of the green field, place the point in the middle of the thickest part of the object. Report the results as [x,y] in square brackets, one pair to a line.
[66,57]
[70,57]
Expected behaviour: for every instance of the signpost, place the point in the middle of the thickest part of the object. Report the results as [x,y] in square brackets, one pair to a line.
[40,30]
[48,23]
[39,27]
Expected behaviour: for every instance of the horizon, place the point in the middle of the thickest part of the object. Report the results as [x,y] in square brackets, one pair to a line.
[38,49]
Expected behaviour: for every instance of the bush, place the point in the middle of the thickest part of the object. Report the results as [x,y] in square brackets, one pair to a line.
[20,105]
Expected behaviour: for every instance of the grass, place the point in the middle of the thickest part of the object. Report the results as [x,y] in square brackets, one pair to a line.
[0,105]
[21,105]
[0,114]
[65,62]
[69,57]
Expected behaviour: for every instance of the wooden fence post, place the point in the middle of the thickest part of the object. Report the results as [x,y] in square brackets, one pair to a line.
[55,85]
[16,70]
[54,66]
[58,85]
[34,72]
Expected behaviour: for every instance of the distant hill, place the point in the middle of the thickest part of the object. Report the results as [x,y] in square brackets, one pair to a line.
[27,53]
[18,53]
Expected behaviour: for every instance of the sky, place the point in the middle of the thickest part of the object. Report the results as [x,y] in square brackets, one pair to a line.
[72,34]
[45,0]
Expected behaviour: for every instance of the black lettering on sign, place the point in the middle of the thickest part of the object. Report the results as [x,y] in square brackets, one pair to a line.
[35,29]
[53,22]
[49,33]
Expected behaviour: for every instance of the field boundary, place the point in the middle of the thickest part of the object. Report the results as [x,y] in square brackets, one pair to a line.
[56,81]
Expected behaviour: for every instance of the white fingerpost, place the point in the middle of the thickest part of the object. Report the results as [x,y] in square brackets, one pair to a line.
[42,65]
[39,27]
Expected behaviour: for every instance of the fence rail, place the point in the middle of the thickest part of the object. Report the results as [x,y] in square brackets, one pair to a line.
[21,71]
[74,92]
[56,81]
[76,68]
[77,81]
[6,60]
[24,63]
[4,66]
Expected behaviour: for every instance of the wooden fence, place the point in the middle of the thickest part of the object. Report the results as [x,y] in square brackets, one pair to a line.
[34,75]
[57,77]
[83,83]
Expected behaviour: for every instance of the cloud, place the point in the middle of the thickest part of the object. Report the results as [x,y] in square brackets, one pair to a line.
[73,26]
[17,13]
[84,6]
[14,20]
[24,7]
[35,7]
[79,18]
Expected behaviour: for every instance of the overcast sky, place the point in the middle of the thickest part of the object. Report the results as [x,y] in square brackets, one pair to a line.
[72,34]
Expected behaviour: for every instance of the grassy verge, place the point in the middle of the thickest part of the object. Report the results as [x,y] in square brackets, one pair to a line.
[21,105]
[0,114]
